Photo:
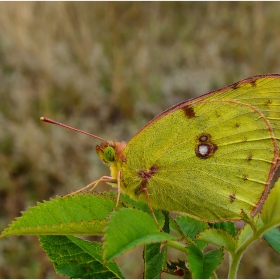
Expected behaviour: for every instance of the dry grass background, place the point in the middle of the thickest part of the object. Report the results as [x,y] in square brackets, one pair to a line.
[108,68]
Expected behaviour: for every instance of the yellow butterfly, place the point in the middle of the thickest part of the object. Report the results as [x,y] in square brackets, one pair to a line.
[210,157]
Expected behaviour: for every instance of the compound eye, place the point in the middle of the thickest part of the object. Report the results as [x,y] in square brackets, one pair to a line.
[109,154]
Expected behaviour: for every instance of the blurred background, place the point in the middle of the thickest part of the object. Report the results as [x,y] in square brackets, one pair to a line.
[108,68]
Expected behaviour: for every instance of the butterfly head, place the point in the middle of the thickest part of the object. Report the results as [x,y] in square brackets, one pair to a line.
[110,152]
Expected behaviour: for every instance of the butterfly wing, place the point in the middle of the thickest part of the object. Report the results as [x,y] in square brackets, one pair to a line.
[208,159]
[260,91]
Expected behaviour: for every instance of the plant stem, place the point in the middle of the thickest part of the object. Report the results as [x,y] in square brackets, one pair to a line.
[178,246]
[234,261]
[235,257]
[214,275]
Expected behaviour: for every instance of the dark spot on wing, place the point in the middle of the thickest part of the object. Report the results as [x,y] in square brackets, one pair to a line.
[205,147]
[204,137]
[245,177]
[253,83]
[232,197]
[154,169]
[267,102]
[189,111]
[235,85]
[145,175]
[217,114]
[250,157]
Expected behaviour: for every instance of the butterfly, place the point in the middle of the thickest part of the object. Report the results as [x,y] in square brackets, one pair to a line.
[210,157]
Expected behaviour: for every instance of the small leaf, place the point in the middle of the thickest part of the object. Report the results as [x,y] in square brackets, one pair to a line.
[78,214]
[244,234]
[175,226]
[166,226]
[229,227]
[77,258]
[190,226]
[129,228]
[247,231]
[153,260]
[271,208]
[154,255]
[201,265]
[219,238]
[273,239]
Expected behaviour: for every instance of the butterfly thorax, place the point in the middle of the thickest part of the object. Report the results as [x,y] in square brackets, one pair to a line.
[111,153]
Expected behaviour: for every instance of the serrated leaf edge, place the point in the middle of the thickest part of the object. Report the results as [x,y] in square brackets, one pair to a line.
[19,231]
[223,232]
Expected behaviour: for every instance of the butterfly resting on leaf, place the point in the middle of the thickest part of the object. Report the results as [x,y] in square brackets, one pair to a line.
[210,157]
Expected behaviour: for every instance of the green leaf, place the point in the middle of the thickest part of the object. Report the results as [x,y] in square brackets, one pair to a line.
[155,255]
[174,225]
[201,265]
[153,260]
[166,226]
[244,234]
[128,201]
[191,226]
[247,231]
[271,208]
[129,228]
[273,239]
[77,258]
[229,227]
[83,214]
[219,238]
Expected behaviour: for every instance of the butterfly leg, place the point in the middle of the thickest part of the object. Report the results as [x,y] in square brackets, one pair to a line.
[94,184]
[102,179]
[119,189]
[145,190]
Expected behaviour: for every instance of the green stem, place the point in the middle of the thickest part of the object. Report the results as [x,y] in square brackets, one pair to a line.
[237,255]
[214,275]
[178,246]
[234,260]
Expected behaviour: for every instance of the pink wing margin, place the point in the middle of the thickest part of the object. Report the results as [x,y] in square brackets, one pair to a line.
[201,97]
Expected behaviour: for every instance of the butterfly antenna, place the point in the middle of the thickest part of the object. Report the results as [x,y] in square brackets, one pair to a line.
[71,128]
